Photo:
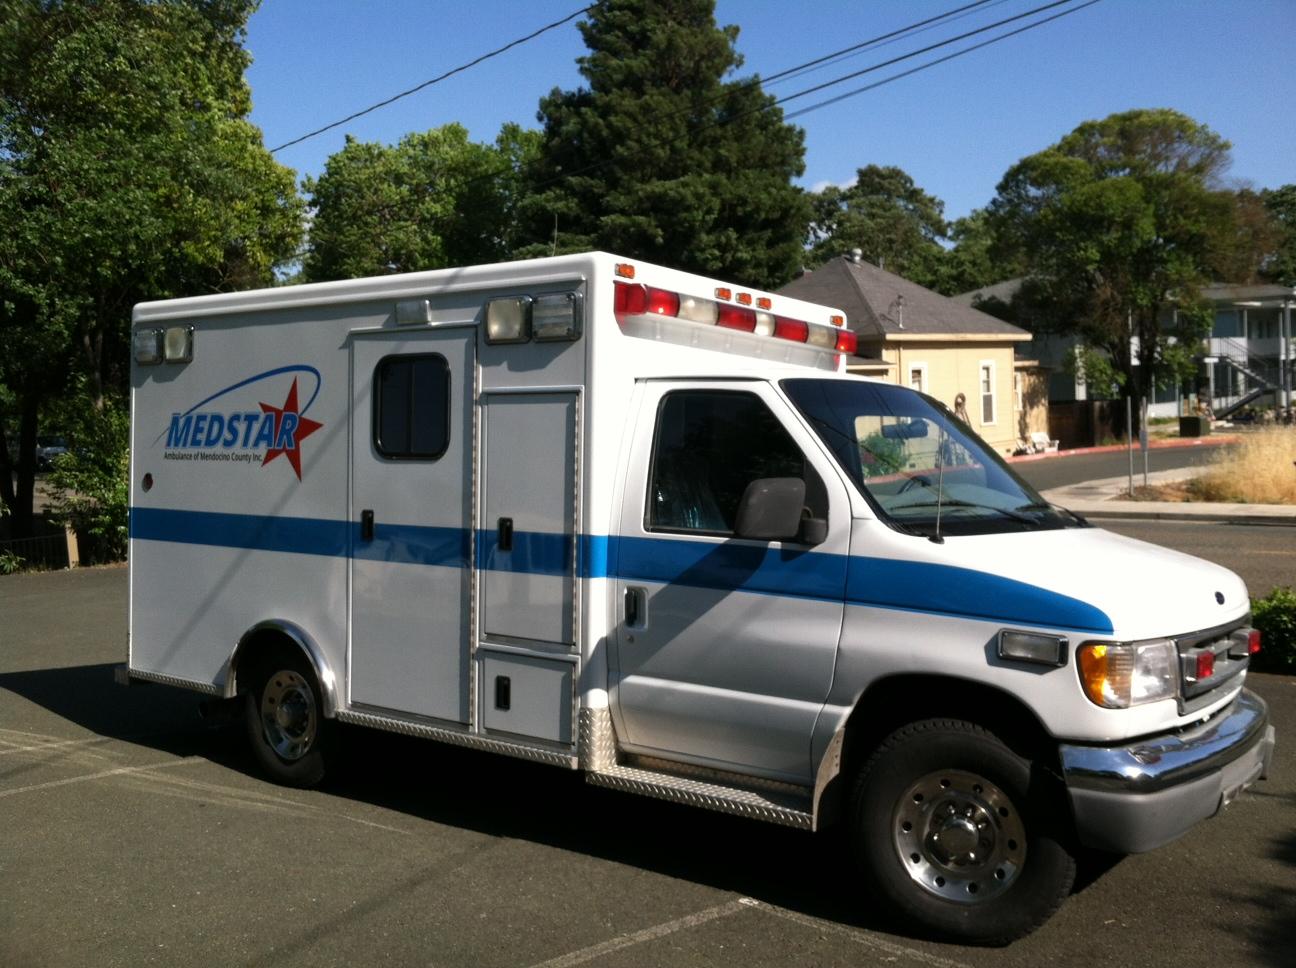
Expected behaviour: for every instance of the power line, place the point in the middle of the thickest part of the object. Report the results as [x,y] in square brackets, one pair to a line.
[940,60]
[880,41]
[695,129]
[922,50]
[436,80]
[819,87]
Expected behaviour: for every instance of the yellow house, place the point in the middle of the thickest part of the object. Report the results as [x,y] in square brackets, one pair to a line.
[919,338]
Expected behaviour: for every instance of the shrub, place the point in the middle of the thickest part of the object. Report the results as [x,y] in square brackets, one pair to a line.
[89,485]
[1275,617]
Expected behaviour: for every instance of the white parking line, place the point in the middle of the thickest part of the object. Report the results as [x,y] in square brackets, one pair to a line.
[103,774]
[647,934]
[858,936]
[61,743]
[892,950]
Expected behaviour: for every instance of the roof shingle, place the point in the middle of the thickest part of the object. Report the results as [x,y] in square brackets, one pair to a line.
[878,303]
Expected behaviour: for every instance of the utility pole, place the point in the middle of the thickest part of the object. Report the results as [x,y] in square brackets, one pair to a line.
[1284,351]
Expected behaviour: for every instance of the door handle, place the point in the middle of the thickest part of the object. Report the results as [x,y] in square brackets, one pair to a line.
[636,607]
[366,525]
[505,532]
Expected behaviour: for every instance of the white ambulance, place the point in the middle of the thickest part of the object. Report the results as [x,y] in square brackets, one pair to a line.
[624,519]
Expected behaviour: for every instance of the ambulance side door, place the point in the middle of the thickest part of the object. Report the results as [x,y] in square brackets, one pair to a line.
[411,513]
[724,647]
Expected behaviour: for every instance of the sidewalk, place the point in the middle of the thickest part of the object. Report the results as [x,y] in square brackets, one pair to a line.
[1102,499]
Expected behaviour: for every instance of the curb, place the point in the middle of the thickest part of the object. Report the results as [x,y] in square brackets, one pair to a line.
[1169,444]
[1154,511]
[1098,499]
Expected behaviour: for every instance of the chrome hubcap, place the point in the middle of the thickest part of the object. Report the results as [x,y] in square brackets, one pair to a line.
[959,836]
[288,714]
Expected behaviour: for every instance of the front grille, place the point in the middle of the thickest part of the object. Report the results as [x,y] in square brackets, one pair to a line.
[1227,645]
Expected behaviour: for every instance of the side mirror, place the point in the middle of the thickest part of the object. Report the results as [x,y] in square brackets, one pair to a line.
[813,531]
[770,509]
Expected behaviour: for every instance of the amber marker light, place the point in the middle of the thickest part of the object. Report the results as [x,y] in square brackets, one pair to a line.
[1118,675]
[1094,674]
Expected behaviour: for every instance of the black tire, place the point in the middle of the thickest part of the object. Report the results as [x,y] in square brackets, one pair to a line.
[959,836]
[283,713]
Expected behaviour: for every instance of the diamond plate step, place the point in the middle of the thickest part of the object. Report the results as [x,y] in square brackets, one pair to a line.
[787,808]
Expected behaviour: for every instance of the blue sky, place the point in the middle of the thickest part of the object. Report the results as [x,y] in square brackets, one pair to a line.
[955,128]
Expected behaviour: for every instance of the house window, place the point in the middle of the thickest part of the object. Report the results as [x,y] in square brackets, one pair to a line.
[987,392]
[412,407]
[1018,396]
[918,377]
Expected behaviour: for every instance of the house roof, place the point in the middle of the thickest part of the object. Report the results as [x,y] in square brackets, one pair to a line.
[1219,292]
[1003,291]
[1224,292]
[880,304]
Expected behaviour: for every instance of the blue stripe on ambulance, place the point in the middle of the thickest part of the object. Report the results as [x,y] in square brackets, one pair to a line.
[889,583]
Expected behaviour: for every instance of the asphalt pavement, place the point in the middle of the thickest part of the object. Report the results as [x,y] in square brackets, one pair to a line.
[132,834]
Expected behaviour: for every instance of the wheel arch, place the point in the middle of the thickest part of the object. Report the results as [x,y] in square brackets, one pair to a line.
[280,632]
[890,702]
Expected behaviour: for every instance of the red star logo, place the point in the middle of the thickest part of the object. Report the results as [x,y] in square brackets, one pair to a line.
[298,429]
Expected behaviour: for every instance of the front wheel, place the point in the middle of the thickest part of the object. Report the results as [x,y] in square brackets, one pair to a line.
[284,717]
[957,835]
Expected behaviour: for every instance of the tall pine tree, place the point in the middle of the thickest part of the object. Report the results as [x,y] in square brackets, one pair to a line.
[662,158]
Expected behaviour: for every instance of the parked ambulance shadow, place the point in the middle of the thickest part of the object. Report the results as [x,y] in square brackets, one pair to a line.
[157,717]
[490,794]
[514,799]
[493,795]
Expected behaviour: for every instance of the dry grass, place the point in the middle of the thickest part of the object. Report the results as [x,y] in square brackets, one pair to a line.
[1261,469]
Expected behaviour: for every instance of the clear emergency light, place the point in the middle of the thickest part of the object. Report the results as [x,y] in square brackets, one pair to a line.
[148,346]
[508,320]
[177,344]
[556,316]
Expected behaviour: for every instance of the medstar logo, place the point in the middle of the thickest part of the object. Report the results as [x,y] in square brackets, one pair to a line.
[243,434]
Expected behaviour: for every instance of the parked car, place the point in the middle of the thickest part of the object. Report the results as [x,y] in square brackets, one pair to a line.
[48,448]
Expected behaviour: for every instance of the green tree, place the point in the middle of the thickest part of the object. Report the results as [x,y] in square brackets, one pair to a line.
[1119,225]
[662,158]
[975,260]
[1281,206]
[128,171]
[434,199]
[893,222]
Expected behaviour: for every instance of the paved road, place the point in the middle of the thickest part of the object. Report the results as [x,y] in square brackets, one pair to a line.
[131,834]
[1050,472]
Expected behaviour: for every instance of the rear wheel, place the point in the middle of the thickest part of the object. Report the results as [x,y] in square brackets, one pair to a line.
[958,835]
[284,716]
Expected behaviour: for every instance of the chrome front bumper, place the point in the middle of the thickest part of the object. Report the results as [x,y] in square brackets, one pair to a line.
[1137,797]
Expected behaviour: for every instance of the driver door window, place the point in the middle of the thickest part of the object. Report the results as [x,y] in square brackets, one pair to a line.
[710,444]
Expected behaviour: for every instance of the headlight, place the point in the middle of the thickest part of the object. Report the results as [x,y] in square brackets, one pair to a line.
[1123,674]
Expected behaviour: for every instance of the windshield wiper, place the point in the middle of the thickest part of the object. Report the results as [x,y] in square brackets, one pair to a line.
[1045,506]
[956,503]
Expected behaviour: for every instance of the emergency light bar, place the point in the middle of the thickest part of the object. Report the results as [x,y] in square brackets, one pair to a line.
[637,299]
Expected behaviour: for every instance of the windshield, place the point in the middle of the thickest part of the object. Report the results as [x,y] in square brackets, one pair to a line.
[925,471]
